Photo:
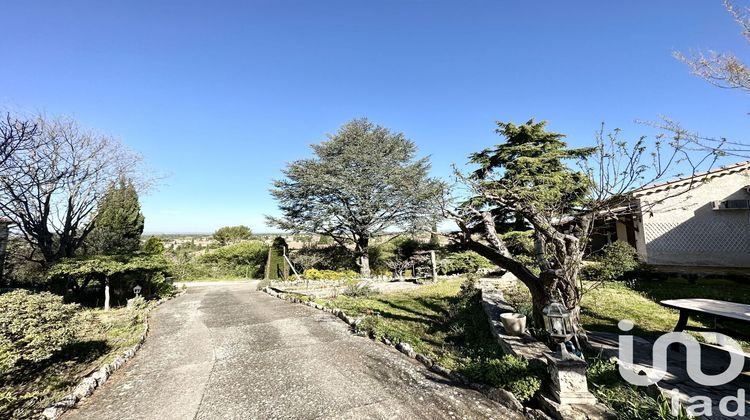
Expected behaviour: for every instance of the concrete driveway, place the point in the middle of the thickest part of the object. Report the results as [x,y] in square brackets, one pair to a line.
[227,351]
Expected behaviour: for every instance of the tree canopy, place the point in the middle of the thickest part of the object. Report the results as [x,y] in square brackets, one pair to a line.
[527,177]
[118,225]
[362,180]
[53,178]
[230,234]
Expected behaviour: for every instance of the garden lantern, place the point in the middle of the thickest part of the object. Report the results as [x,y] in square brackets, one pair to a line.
[137,290]
[557,322]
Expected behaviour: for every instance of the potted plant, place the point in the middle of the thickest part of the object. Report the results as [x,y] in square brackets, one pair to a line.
[513,323]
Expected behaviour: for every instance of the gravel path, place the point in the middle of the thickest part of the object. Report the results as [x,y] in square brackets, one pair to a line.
[227,351]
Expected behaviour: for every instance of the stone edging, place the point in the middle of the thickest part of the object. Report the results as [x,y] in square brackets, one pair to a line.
[496,394]
[88,385]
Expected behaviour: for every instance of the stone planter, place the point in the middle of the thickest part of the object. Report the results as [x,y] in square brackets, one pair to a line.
[513,323]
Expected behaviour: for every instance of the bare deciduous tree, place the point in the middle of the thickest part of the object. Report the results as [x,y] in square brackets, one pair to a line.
[52,186]
[724,70]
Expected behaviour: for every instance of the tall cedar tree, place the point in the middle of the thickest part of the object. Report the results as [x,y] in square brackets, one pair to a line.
[362,181]
[526,176]
[119,222]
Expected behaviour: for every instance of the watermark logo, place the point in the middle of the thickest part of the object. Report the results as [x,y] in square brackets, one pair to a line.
[696,405]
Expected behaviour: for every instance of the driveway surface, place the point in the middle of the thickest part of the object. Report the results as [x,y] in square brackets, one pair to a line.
[227,351]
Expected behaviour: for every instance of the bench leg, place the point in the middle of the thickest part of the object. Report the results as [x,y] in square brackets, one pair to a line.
[681,324]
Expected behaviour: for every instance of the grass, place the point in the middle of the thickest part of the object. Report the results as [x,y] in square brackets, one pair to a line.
[102,336]
[435,321]
[418,317]
[445,322]
[609,303]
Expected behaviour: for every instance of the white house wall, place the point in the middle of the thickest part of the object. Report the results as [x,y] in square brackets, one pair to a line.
[685,230]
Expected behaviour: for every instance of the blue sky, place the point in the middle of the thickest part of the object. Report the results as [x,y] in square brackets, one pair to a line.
[219,95]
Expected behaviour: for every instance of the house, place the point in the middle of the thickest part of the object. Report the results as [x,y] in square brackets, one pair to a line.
[697,221]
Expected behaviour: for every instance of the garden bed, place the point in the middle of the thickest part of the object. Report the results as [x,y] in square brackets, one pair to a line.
[101,337]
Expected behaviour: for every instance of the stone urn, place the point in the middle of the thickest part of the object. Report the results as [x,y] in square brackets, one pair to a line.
[513,323]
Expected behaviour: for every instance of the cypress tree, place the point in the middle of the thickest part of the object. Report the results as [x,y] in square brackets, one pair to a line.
[119,222]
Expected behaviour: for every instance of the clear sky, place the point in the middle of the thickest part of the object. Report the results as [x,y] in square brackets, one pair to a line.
[218,95]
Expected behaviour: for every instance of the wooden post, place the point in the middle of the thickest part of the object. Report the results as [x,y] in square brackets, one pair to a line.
[434,265]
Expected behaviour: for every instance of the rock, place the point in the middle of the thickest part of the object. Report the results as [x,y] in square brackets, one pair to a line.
[99,377]
[118,362]
[424,359]
[385,340]
[53,412]
[458,377]
[405,348]
[56,410]
[85,388]
[536,414]
[440,370]
[504,397]
[342,316]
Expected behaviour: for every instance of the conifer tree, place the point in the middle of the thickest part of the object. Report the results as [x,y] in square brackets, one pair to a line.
[119,222]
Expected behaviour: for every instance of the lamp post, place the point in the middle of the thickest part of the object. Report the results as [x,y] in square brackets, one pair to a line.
[567,370]
[557,322]
[137,290]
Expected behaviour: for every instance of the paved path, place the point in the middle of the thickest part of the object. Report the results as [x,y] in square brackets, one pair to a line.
[713,360]
[227,351]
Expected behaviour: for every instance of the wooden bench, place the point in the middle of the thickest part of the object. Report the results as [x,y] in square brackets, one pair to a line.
[718,309]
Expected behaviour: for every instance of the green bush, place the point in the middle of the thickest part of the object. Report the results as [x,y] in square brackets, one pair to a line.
[245,259]
[276,268]
[615,261]
[463,263]
[515,375]
[358,289]
[325,258]
[33,327]
[153,245]
[138,303]
[629,402]
[314,274]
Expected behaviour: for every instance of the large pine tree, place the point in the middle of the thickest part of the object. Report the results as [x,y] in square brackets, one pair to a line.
[119,221]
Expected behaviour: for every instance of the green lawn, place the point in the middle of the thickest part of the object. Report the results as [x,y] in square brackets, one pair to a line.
[437,323]
[419,317]
[609,303]
[103,336]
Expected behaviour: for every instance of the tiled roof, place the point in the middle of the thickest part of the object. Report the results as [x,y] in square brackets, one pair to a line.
[724,170]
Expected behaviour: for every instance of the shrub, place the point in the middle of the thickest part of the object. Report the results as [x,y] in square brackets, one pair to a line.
[615,261]
[138,303]
[519,297]
[463,263]
[515,375]
[241,259]
[153,245]
[314,274]
[358,289]
[33,327]
[627,401]
[276,267]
